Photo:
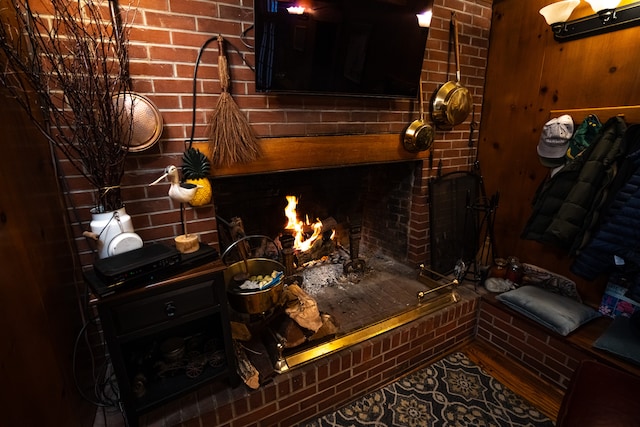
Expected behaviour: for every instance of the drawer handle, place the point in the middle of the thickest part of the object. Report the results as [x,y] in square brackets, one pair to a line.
[170,309]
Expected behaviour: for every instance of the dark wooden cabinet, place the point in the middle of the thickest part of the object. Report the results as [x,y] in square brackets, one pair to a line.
[168,338]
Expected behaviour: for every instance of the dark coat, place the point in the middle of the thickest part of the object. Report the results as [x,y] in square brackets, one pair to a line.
[568,204]
[619,233]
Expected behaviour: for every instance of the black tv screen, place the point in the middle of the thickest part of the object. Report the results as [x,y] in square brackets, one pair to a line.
[348,47]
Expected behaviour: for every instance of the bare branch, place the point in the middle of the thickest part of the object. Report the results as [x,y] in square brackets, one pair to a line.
[66,63]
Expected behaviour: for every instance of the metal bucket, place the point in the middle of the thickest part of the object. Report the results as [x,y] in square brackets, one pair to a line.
[253,301]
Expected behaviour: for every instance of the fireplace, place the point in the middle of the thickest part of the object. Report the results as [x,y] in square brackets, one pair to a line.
[377,197]
[382,188]
[372,201]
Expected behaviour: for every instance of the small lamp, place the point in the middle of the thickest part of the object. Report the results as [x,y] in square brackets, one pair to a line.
[424,18]
[599,5]
[556,14]
[604,8]
[608,17]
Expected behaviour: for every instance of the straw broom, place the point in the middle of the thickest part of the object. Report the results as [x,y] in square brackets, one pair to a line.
[231,138]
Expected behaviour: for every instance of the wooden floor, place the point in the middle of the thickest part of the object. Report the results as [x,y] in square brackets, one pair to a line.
[541,394]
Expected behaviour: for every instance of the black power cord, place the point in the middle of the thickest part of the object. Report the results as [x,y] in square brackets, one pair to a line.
[105,387]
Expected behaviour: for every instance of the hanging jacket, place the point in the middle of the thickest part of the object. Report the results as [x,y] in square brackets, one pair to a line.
[568,204]
[619,232]
[580,210]
[549,197]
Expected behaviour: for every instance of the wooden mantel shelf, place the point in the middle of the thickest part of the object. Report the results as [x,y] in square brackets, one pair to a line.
[316,152]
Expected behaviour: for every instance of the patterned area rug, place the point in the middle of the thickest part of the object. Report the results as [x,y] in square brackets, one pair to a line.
[451,392]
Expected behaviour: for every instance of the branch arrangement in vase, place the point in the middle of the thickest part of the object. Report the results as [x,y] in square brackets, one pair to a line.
[66,63]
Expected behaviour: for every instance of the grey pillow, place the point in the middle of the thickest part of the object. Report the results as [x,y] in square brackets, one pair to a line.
[556,312]
[620,340]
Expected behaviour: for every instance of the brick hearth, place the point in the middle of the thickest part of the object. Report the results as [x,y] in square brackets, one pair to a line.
[330,382]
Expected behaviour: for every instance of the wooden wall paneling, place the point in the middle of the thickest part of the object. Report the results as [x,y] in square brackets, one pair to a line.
[510,116]
[529,75]
[40,312]
[598,71]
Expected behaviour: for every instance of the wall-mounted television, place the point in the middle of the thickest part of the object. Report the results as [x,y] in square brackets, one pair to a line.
[340,47]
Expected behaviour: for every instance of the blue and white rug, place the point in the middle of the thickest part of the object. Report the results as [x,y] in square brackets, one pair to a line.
[451,392]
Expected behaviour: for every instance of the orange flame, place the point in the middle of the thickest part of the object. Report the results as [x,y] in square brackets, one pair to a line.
[297,227]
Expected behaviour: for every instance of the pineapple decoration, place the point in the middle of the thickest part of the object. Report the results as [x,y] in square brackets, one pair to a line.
[195,170]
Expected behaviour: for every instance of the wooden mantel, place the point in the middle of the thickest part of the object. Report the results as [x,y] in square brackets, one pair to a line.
[316,152]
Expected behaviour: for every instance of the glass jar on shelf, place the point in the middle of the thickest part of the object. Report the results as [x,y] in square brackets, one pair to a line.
[514,270]
[499,268]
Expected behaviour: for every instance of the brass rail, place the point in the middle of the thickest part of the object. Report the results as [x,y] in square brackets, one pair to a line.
[444,295]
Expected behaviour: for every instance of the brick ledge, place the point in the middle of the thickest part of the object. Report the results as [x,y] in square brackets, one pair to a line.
[552,356]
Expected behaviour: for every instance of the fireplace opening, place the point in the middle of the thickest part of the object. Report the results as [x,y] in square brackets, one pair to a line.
[370,208]
[375,196]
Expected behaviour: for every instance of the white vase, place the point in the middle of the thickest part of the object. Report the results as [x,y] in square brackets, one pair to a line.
[114,231]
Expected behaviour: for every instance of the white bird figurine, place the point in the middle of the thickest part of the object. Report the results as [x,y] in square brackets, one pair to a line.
[180,192]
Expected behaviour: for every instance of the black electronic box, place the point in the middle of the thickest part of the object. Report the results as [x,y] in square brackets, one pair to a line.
[140,267]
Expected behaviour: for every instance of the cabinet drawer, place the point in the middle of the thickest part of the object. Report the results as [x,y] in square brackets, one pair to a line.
[165,307]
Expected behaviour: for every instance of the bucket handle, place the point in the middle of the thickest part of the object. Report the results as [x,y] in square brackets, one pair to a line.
[251,236]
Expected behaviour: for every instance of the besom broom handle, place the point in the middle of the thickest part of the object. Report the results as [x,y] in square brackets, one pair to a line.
[223,66]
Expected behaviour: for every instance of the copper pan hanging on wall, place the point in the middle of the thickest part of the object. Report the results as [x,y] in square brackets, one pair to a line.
[419,135]
[140,119]
[452,102]
[142,116]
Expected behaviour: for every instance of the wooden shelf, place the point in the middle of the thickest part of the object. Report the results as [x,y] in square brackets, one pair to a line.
[631,113]
[316,152]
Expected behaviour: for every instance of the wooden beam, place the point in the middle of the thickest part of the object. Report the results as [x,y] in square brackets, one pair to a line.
[316,152]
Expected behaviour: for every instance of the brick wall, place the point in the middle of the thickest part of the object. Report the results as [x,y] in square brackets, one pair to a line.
[164,41]
[331,382]
[545,353]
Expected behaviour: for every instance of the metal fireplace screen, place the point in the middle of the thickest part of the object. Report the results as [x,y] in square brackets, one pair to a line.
[453,219]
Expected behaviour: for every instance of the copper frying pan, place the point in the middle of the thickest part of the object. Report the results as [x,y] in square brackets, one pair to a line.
[138,114]
[419,135]
[452,102]
[144,118]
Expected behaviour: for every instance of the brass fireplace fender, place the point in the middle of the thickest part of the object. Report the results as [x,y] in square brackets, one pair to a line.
[443,295]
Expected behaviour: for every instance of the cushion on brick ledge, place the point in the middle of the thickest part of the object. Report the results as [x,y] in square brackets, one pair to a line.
[620,340]
[557,312]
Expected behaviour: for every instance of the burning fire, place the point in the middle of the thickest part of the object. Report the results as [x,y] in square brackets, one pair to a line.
[298,227]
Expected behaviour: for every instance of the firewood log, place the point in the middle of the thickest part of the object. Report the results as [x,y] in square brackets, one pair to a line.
[292,333]
[329,224]
[239,331]
[247,372]
[329,327]
[305,312]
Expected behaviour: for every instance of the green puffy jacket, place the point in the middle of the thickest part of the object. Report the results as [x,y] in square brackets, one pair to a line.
[568,204]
